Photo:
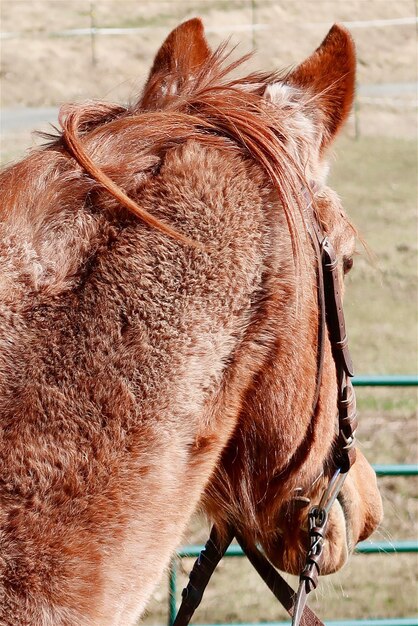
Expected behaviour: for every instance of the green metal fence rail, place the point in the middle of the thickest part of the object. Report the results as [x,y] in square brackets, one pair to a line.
[385,381]
[364,547]
[396,621]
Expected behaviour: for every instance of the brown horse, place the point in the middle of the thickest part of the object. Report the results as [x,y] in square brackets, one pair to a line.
[158,338]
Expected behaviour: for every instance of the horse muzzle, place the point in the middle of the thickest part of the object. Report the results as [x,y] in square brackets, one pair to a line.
[352,518]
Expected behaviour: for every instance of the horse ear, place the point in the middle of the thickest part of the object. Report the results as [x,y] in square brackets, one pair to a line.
[180,58]
[329,74]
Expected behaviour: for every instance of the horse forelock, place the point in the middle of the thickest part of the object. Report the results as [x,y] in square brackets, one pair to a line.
[118,146]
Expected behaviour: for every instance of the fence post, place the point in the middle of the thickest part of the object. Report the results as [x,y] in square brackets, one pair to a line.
[172,591]
[356,118]
[93,33]
[253,24]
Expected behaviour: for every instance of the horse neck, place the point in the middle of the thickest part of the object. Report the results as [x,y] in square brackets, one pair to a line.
[123,350]
[179,313]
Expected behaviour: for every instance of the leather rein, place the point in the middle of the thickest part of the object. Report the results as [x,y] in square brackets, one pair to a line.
[331,319]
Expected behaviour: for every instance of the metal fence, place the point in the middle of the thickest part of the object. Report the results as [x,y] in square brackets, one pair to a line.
[394,547]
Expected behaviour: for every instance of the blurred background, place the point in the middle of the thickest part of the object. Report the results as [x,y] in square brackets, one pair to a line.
[57,51]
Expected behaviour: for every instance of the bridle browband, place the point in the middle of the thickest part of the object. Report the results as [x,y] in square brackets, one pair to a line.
[331,319]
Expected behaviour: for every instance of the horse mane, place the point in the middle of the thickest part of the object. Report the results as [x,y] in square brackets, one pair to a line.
[111,143]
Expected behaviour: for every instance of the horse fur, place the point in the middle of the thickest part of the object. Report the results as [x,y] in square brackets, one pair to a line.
[158,331]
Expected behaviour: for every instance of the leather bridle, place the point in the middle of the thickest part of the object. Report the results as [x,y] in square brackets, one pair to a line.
[331,319]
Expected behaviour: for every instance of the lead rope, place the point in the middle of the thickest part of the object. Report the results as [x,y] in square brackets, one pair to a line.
[278,585]
[206,564]
[202,570]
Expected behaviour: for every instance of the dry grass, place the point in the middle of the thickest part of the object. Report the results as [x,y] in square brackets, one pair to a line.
[61,69]
[377,180]
[39,70]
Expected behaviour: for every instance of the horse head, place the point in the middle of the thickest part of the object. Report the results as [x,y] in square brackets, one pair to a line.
[159,332]
[279,459]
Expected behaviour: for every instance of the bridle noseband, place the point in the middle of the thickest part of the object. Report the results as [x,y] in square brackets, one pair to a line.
[331,318]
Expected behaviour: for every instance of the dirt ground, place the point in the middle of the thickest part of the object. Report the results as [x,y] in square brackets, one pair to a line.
[376,176]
